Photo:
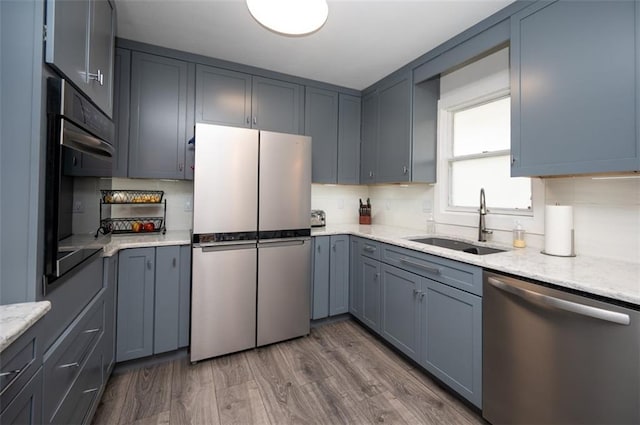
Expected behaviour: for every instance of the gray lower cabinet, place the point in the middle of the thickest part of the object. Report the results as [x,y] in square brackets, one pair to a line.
[110,280]
[159,128]
[330,276]
[321,123]
[574,66]
[349,109]
[370,275]
[26,407]
[153,294]
[355,281]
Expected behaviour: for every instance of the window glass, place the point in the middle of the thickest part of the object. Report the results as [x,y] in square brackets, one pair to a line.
[482,128]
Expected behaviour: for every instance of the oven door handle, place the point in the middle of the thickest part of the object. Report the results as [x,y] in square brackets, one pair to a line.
[572,307]
[76,138]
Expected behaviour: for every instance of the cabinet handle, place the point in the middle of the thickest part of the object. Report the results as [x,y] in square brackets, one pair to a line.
[68,365]
[369,248]
[74,160]
[404,170]
[174,262]
[415,292]
[149,264]
[89,391]
[334,247]
[91,331]
[420,266]
[248,120]
[513,159]
[98,76]
[255,120]
[11,372]
[421,295]
[376,276]
[180,166]
[371,174]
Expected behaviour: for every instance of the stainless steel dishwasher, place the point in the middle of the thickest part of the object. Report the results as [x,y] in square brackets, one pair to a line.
[550,356]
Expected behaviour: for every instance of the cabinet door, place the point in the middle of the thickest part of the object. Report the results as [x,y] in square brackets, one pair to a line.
[400,314]
[349,139]
[223,97]
[370,274]
[452,338]
[167,299]
[26,407]
[101,45]
[321,262]
[394,143]
[66,42]
[109,338]
[185,296]
[355,281]
[573,105]
[369,146]
[157,135]
[425,131]
[339,277]
[136,277]
[277,106]
[321,123]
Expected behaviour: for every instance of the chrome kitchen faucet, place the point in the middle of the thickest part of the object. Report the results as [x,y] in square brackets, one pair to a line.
[482,227]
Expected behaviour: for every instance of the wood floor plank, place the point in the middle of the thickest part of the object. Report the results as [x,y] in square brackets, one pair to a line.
[110,406]
[241,404]
[329,405]
[380,410]
[231,370]
[149,394]
[305,359]
[162,418]
[193,395]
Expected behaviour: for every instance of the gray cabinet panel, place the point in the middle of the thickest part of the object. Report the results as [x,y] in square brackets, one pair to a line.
[157,135]
[136,277]
[66,44]
[26,407]
[101,42]
[573,106]
[167,299]
[339,275]
[348,139]
[400,314]
[355,280]
[277,106]
[425,131]
[452,338]
[185,296]
[321,123]
[394,143]
[370,274]
[223,97]
[321,265]
[369,144]
[109,337]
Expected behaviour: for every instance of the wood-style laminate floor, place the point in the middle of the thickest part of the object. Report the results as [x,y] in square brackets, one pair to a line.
[340,374]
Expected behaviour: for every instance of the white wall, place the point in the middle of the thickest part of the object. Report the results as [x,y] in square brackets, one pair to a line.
[340,202]
[402,205]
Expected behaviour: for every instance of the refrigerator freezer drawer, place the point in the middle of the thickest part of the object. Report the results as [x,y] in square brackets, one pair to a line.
[284,281]
[223,301]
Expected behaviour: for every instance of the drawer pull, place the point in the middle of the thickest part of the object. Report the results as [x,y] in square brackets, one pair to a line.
[91,331]
[420,266]
[68,365]
[89,391]
[369,248]
[11,372]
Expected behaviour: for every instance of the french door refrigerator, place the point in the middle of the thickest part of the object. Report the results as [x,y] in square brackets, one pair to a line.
[251,239]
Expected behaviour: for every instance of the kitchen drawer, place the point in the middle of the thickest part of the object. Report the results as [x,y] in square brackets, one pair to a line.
[82,396]
[19,362]
[370,249]
[66,359]
[458,275]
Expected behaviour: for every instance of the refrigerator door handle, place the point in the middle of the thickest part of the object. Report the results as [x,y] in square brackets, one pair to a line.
[225,247]
[585,310]
[283,242]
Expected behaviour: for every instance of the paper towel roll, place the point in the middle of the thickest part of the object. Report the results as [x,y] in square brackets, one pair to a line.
[558,230]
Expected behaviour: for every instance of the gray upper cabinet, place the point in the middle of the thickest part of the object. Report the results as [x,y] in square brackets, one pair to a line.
[369,144]
[277,106]
[321,123]
[158,127]
[223,97]
[80,44]
[394,131]
[425,130]
[574,67]
[348,139]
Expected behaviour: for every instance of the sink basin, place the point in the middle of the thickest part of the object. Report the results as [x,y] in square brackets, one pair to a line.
[458,245]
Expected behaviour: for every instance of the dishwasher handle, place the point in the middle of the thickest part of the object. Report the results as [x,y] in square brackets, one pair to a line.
[585,310]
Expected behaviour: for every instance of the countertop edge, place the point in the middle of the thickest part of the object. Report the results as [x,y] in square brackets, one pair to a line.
[16,319]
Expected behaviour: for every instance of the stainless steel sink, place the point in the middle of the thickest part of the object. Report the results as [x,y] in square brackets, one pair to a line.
[458,245]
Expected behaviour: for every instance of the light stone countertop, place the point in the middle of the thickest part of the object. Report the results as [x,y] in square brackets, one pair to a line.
[618,280]
[16,319]
[114,243]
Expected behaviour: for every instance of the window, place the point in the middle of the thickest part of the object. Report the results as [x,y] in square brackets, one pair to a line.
[479,158]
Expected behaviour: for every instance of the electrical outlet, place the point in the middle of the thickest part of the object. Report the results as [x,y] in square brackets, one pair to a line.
[78,207]
[188,207]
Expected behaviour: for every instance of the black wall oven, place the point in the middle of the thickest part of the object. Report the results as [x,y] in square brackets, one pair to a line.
[73,122]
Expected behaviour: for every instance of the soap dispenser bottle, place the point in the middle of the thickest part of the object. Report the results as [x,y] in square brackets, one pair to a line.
[518,236]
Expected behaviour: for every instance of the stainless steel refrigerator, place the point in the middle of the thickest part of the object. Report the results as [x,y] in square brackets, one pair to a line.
[251,271]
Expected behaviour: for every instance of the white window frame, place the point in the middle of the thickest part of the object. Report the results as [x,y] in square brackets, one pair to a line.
[497,219]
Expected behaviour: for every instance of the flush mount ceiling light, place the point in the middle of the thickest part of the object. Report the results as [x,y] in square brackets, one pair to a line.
[290,17]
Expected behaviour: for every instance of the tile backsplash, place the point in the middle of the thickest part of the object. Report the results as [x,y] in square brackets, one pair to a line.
[340,202]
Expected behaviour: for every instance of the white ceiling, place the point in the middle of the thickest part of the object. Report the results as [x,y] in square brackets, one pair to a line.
[361,42]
